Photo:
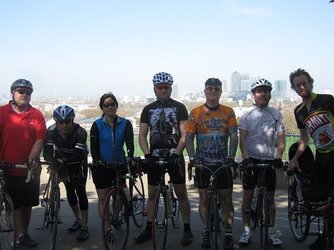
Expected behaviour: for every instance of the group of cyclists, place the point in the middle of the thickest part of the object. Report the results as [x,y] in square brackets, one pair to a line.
[210,134]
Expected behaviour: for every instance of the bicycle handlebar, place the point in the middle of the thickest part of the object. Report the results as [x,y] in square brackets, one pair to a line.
[221,165]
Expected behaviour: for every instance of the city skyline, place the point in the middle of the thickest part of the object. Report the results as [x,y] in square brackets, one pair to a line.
[85,48]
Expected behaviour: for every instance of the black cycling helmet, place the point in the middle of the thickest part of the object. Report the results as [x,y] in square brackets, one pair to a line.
[21,83]
[63,113]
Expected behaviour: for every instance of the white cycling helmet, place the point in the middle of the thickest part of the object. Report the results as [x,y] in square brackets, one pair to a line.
[162,77]
[261,82]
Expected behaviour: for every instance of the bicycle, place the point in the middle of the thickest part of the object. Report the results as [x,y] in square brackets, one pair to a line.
[166,207]
[214,203]
[259,211]
[8,231]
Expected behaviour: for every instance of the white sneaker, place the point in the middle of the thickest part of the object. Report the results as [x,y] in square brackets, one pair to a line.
[274,240]
[245,238]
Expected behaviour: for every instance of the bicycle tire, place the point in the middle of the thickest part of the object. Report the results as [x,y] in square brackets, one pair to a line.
[160,221]
[265,220]
[115,232]
[176,211]
[213,223]
[7,222]
[328,231]
[137,201]
[54,217]
[254,210]
[299,218]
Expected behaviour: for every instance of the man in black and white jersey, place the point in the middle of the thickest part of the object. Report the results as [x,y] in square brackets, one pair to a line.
[315,119]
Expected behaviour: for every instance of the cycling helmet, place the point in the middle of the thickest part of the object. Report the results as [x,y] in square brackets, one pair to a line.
[162,77]
[21,83]
[261,82]
[213,81]
[63,113]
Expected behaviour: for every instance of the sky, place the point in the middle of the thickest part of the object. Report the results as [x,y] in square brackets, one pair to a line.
[89,47]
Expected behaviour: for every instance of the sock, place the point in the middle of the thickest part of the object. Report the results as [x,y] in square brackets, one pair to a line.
[186,227]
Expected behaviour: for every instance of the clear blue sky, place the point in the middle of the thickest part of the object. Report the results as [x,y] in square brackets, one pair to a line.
[81,47]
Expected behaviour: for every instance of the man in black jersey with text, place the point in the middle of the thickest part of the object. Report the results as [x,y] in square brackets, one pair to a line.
[66,150]
[315,118]
[165,120]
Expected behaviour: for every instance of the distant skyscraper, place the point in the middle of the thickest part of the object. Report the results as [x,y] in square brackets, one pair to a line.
[280,89]
[235,81]
[240,85]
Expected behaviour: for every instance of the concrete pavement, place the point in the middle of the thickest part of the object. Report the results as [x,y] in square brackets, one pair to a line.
[68,240]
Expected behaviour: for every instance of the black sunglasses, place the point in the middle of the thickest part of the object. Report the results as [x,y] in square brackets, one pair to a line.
[109,105]
[24,91]
[64,122]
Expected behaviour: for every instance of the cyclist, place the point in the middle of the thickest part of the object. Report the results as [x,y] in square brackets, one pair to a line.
[165,119]
[108,135]
[22,135]
[314,117]
[216,131]
[66,149]
[257,130]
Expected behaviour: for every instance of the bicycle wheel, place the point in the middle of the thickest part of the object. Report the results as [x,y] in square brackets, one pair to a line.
[264,219]
[213,223]
[299,218]
[115,225]
[53,217]
[176,211]
[160,221]
[137,202]
[7,222]
[254,210]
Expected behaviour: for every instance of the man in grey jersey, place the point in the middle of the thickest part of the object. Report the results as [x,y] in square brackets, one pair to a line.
[257,130]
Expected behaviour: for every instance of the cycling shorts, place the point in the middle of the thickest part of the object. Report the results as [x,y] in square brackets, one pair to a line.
[224,177]
[103,177]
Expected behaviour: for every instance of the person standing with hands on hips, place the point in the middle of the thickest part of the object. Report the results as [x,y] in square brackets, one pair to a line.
[216,130]
[165,120]
[22,135]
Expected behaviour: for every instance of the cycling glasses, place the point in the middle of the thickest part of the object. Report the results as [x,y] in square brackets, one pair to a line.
[68,121]
[211,88]
[109,105]
[24,91]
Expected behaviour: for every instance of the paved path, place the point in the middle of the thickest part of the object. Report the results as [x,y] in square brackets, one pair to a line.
[68,240]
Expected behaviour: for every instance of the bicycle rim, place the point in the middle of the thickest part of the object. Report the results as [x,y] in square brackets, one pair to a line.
[213,224]
[176,212]
[137,202]
[115,225]
[160,222]
[254,210]
[54,217]
[299,219]
[7,222]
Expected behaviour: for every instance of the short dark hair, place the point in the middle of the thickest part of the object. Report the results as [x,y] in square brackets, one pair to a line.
[300,72]
[105,96]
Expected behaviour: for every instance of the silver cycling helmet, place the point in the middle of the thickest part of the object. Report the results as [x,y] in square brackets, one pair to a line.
[162,77]
[261,82]
[21,83]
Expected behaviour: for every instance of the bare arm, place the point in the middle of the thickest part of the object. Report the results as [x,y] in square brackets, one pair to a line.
[303,142]
[143,143]
[182,142]
[233,145]
[280,145]
[242,143]
[35,152]
[190,145]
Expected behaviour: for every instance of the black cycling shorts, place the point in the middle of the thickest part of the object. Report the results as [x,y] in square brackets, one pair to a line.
[224,178]
[104,178]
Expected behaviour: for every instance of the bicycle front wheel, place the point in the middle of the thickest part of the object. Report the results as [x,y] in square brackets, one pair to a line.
[299,218]
[53,217]
[213,223]
[264,219]
[160,222]
[7,222]
[254,210]
[176,211]
[115,222]
[137,202]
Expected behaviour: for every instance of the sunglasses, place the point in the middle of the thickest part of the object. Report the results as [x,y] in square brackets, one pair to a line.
[24,91]
[163,87]
[210,88]
[109,105]
[64,122]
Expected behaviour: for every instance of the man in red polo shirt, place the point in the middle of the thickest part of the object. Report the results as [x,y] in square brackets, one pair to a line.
[22,135]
